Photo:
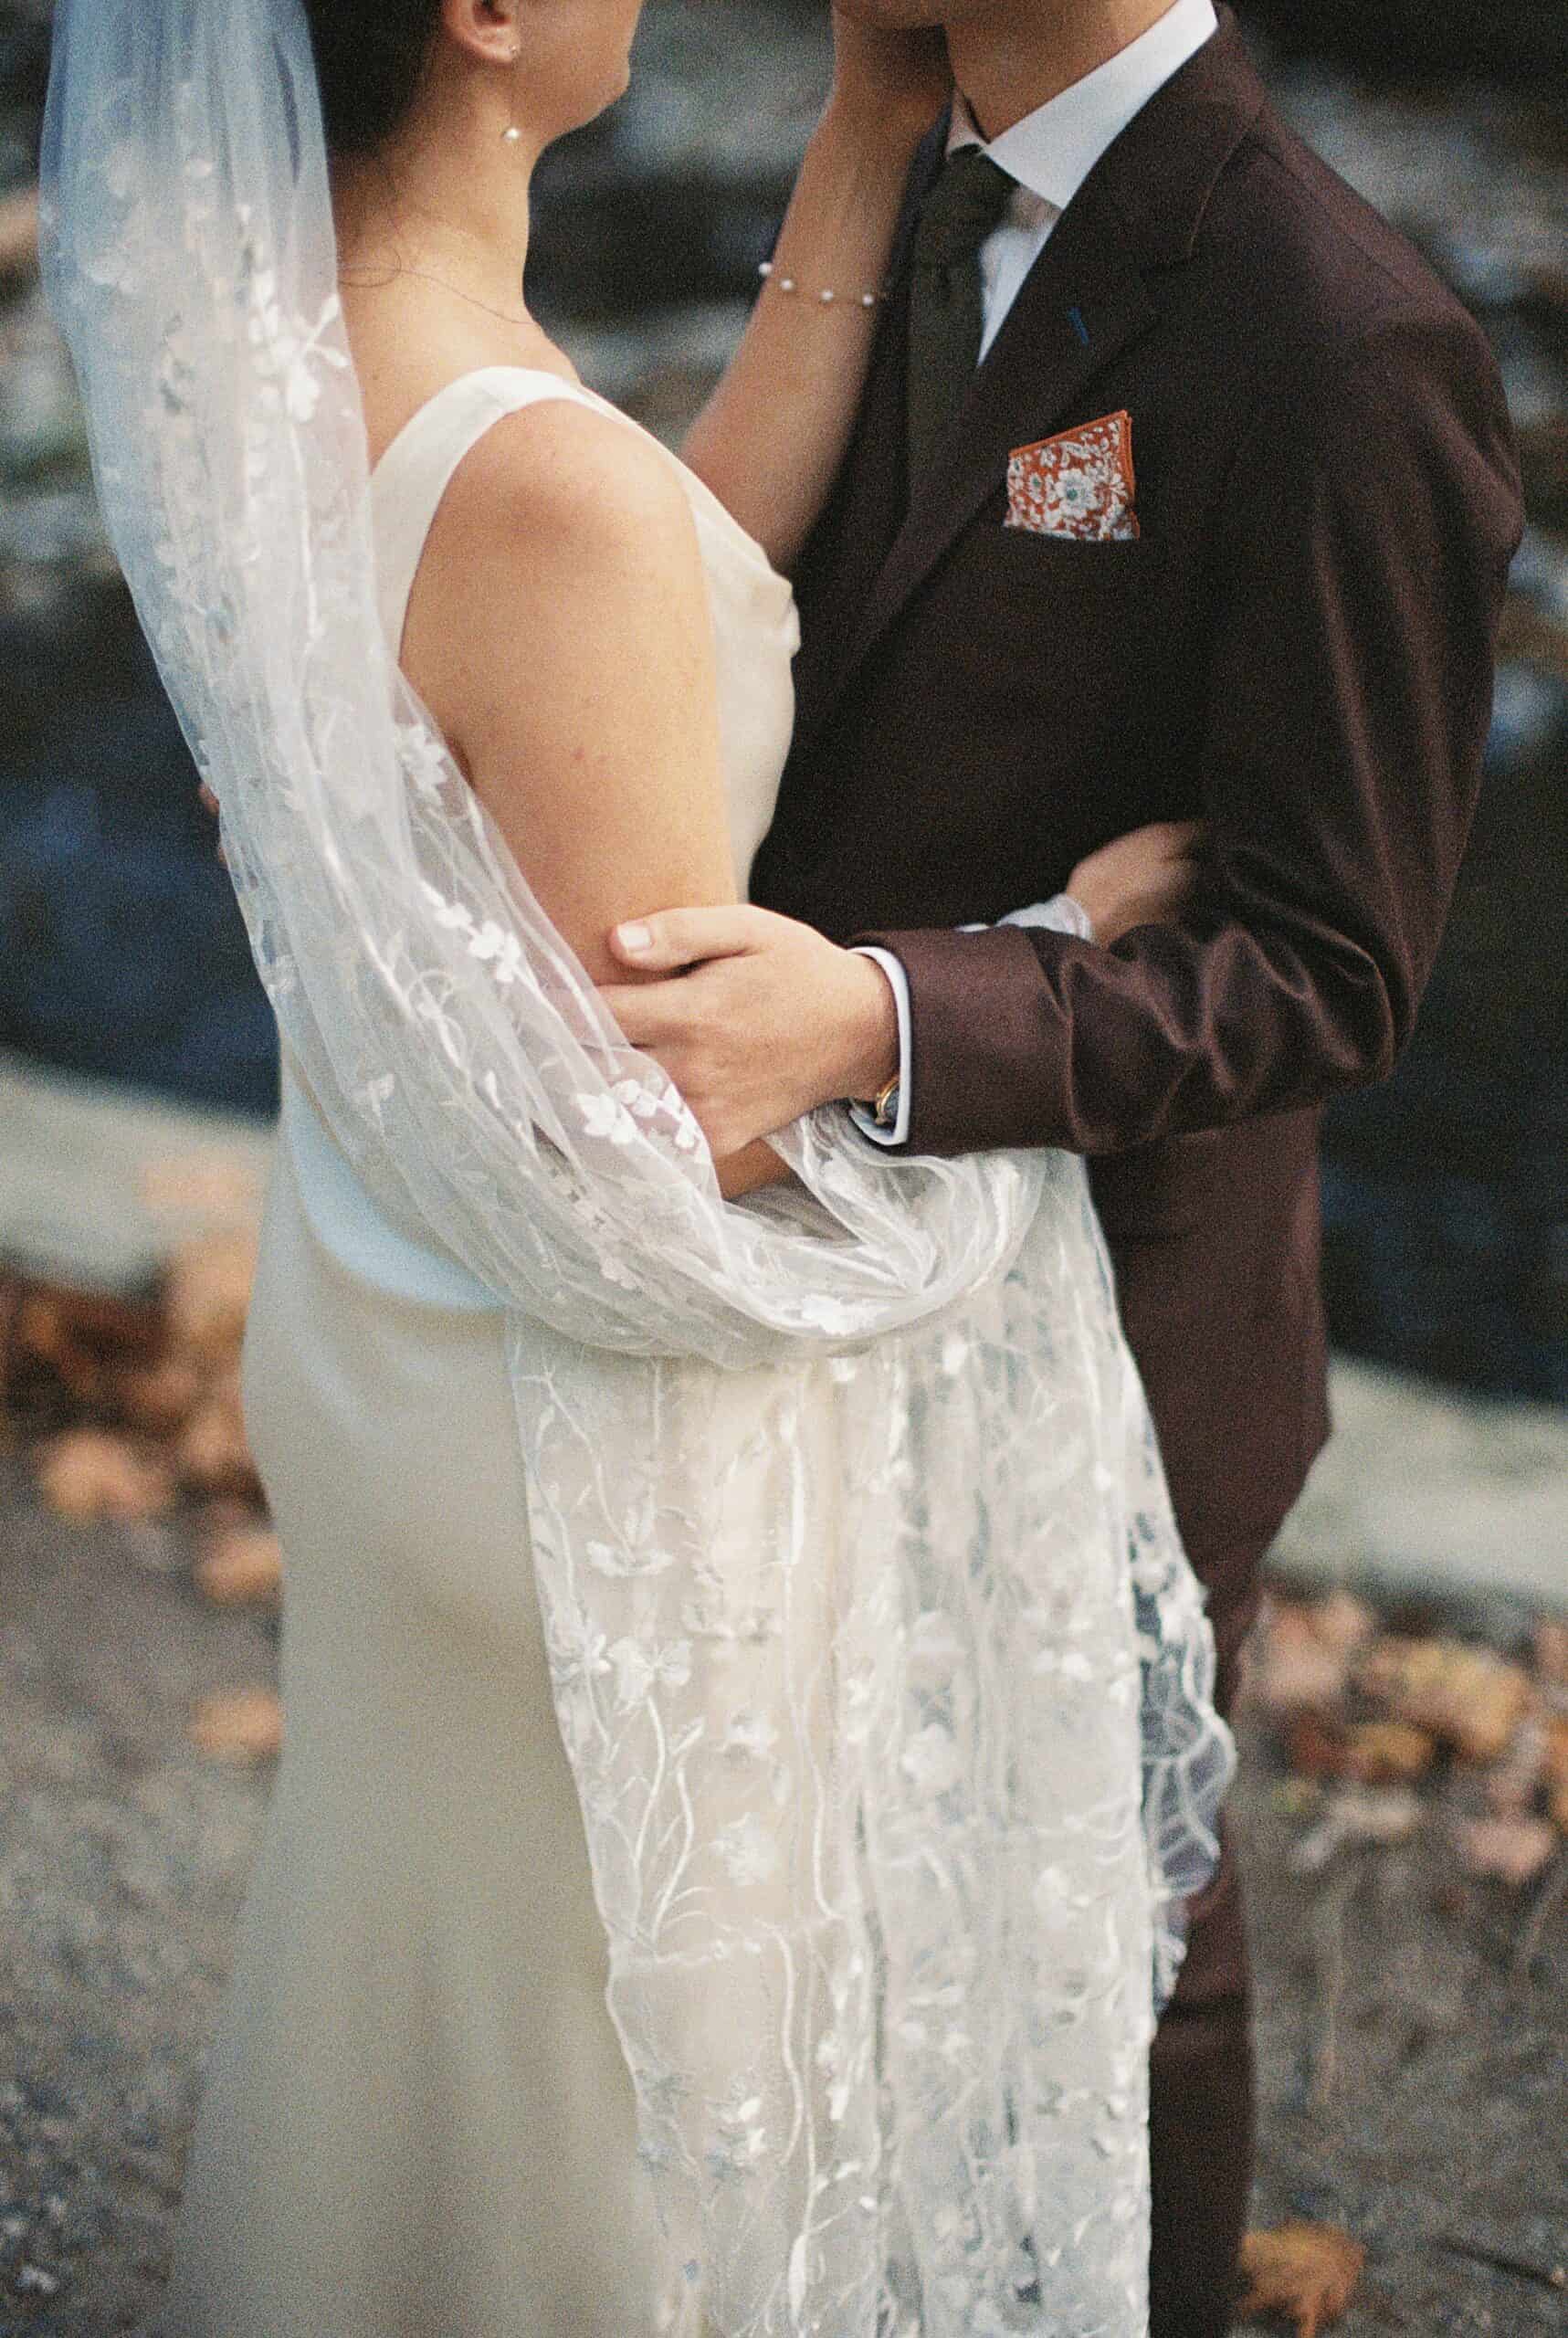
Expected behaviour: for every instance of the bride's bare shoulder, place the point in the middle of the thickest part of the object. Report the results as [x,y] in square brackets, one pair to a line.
[562,476]
[569,530]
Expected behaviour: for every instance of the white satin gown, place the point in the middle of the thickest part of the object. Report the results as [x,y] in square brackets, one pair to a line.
[417,2120]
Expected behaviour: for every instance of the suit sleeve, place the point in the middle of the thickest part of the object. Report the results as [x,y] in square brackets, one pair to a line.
[1359,561]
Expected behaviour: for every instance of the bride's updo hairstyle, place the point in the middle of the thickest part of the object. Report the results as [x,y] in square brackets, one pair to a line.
[370,61]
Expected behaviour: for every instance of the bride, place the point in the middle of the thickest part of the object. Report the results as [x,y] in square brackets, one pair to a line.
[748,1729]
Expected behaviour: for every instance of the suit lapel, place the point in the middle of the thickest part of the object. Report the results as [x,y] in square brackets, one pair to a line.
[1084,302]
[868,504]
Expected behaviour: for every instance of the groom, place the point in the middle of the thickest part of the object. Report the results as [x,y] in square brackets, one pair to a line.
[1191,495]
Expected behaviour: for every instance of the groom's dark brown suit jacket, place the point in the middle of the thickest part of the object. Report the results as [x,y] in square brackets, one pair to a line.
[1298,649]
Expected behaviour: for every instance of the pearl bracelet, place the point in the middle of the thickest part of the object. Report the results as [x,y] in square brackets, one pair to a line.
[825,299]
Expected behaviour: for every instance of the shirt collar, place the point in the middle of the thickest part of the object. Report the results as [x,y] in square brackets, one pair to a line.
[1053,150]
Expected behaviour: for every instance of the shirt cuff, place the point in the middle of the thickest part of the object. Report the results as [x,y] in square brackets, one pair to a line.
[1062,915]
[898,1133]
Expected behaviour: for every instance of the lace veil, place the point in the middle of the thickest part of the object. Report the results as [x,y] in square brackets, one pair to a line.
[883,1676]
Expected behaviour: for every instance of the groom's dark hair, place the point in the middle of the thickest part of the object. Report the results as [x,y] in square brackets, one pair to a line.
[369,62]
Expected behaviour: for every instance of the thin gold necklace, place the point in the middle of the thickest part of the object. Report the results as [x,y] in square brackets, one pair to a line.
[456,290]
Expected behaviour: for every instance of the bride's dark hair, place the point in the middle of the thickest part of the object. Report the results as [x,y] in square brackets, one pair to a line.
[370,62]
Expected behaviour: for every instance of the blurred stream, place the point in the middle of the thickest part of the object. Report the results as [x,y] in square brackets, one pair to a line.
[120,951]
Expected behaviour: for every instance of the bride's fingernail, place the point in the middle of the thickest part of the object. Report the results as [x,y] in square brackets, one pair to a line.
[634,937]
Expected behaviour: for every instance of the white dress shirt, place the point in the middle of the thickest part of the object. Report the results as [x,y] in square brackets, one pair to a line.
[1050,154]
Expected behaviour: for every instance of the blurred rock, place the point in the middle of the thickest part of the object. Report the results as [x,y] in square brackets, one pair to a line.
[1540,577]
[23,76]
[1358,1817]
[1520,40]
[1529,718]
[51,538]
[18,235]
[662,369]
[41,429]
[1470,1698]
[1425,1493]
[676,195]
[121,951]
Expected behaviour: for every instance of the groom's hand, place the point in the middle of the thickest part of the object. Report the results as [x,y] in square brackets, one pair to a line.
[756,1018]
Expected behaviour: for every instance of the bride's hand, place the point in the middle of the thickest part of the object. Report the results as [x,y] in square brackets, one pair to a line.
[1147,877]
[894,83]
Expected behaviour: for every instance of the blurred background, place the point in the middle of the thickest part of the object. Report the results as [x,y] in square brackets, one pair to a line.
[1405,1804]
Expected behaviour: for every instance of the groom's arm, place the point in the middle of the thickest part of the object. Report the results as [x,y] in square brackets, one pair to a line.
[887,1120]
[1361,562]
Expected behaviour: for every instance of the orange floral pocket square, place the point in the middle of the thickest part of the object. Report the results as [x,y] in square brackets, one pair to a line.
[1080,485]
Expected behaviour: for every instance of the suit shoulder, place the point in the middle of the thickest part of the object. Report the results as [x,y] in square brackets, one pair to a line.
[1341,343]
[1313,264]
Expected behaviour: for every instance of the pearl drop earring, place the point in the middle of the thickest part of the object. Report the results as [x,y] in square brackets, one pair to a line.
[512,136]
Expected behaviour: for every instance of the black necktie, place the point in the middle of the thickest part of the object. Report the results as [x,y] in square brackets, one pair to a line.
[946,312]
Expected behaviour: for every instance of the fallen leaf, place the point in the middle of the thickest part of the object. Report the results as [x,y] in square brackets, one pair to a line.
[158,1397]
[90,1473]
[246,1727]
[241,1568]
[1342,1622]
[56,1314]
[1372,1752]
[1557,1772]
[1306,2274]
[1513,1785]
[1466,1696]
[48,1334]
[1513,1849]
[1388,1753]
[208,1294]
[1315,1748]
[212,1454]
[20,233]
[1551,1652]
[1295,1670]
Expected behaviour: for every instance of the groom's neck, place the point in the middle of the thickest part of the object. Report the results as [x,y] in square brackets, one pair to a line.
[1010,57]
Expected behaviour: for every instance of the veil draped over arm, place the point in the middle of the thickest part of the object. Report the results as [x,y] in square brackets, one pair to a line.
[884,1680]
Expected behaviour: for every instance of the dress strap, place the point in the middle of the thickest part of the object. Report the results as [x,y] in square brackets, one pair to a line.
[414,472]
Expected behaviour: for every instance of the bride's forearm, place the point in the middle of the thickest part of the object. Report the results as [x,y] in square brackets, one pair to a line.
[771,438]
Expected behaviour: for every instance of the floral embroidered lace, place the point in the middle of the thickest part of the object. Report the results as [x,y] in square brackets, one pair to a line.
[884,1679]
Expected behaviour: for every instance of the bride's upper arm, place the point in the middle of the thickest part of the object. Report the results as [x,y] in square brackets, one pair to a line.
[560,633]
